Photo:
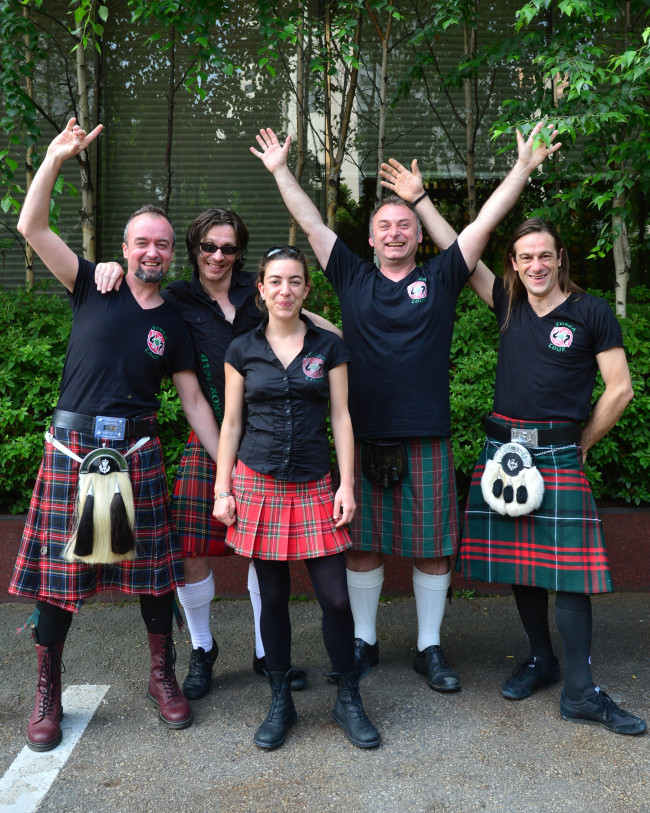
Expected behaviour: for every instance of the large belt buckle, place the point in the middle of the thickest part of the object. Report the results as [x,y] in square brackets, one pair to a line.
[527,437]
[110,428]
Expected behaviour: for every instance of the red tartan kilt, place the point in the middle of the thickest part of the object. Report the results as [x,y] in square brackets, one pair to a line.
[280,520]
[199,532]
[41,573]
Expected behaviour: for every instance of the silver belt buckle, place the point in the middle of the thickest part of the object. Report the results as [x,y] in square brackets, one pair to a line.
[110,428]
[527,437]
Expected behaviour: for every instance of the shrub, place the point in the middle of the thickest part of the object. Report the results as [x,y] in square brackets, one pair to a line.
[34,328]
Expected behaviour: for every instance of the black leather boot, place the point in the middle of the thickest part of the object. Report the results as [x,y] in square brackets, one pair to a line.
[282,714]
[348,709]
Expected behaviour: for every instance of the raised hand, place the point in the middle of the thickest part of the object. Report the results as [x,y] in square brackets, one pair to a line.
[273,154]
[533,151]
[403,182]
[72,141]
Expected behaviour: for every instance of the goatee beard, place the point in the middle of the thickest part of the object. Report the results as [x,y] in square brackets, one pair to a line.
[145,275]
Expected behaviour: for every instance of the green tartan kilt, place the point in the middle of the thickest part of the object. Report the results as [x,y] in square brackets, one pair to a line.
[418,517]
[560,546]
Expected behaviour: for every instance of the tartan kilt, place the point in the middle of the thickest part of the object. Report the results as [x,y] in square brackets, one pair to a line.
[41,573]
[199,532]
[560,546]
[416,518]
[280,520]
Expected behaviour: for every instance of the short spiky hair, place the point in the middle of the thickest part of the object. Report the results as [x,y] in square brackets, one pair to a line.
[202,224]
[149,209]
[392,200]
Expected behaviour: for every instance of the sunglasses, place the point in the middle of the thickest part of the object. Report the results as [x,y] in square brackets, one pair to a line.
[212,248]
[290,251]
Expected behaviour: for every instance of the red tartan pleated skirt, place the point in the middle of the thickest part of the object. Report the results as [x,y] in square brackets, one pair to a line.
[199,532]
[560,546]
[280,520]
[41,573]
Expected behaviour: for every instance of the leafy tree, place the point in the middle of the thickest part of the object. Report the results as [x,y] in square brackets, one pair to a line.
[592,79]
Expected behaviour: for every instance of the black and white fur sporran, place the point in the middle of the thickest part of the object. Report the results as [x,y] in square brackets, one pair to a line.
[511,483]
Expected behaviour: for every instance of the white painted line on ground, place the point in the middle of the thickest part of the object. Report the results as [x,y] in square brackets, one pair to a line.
[31,774]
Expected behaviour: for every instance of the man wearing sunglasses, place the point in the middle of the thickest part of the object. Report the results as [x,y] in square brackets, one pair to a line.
[398,324]
[217,304]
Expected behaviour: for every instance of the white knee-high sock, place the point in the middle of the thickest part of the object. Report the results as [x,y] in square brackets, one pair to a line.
[430,595]
[365,590]
[196,598]
[256,601]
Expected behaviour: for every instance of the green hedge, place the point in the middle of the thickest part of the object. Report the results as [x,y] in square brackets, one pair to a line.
[34,328]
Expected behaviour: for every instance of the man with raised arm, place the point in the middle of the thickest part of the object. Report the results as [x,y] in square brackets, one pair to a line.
[398,323]
[121,345]
[553,339]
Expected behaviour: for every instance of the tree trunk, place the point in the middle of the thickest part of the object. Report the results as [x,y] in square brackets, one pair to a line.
[469,35]
[87,189]
[302,102]
[170,119]
[622,257]
[383,89]
[29,164]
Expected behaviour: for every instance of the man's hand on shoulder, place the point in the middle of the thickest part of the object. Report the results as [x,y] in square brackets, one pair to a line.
[108,277]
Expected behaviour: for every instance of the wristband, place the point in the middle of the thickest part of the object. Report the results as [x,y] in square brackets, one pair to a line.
[417,200]
[225,494]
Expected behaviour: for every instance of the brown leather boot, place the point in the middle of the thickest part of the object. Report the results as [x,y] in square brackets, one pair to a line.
[44,727]
[164,691]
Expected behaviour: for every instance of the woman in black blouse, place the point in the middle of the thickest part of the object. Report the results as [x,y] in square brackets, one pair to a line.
[279,506]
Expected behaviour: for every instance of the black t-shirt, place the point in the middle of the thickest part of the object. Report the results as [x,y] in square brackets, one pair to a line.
[118,352]
[399,336]
[547,364]
[287,408]
[211,332]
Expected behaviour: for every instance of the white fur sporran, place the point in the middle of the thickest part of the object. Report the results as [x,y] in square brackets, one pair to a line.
[511,483]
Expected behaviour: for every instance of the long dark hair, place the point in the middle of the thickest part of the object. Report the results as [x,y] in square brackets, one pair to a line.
[514,287]
[202,224]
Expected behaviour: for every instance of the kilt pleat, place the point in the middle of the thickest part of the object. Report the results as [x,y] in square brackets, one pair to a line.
[281,520]
[560,546]
[199,532]
[416,518]
[41,573]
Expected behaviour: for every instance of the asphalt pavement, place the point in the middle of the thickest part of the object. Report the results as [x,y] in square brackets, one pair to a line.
[471,750]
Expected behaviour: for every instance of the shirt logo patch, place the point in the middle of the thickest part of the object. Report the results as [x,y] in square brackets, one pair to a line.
[418,291]
[561,337]
[156,342]
[313,367]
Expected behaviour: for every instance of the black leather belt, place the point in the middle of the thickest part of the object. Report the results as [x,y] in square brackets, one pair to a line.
[86,423]
[559,436]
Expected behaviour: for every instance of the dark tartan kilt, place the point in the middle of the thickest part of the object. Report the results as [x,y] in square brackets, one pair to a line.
[416,518]
[560,546]
[41,573]
[280,520]
[199,532]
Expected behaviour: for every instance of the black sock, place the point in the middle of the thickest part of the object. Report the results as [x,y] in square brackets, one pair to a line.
[52,625]
[158,613]
[532,603]
[573,618]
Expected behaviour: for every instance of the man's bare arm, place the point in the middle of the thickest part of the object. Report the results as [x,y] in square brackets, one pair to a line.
[409,186]
[274,157]
[34,221]
[617,395]
[473,239]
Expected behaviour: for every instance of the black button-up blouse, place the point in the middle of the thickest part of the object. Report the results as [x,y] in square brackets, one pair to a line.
[287,408]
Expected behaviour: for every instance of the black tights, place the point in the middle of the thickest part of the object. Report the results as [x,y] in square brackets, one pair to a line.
[328,577]
[573,619]
[54,622]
